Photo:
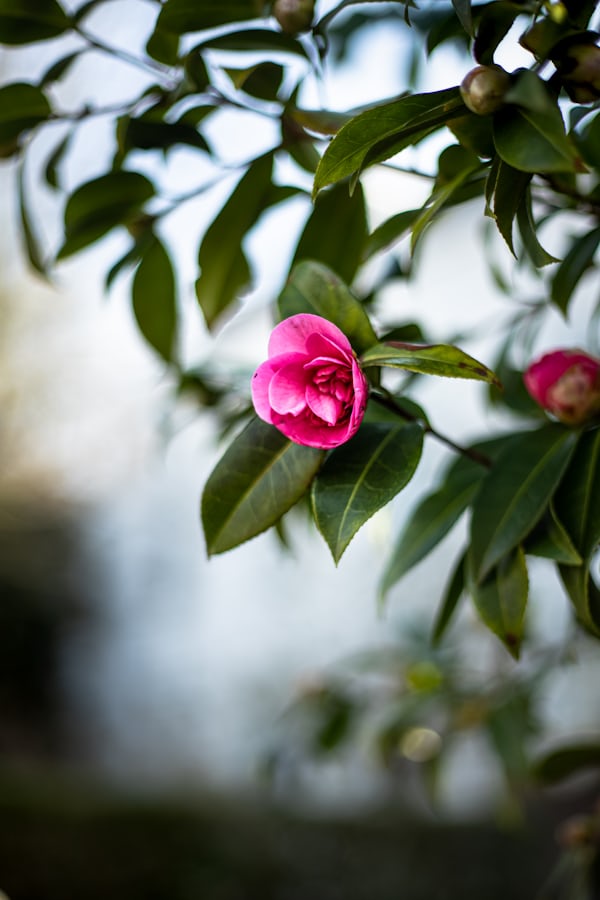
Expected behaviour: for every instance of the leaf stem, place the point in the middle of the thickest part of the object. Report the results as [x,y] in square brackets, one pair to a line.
[383,398]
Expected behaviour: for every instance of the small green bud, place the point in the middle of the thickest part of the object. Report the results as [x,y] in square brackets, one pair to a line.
[483,89]
[294,16]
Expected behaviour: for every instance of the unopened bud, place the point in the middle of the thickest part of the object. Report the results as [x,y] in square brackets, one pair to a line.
[294,15]
[566,383]
[483,89]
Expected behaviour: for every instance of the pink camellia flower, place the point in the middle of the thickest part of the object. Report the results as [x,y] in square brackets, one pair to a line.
[567,384]
[311,387]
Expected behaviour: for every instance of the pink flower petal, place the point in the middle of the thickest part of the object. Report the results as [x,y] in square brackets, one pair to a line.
[292,334]
[287,389]
[325,406]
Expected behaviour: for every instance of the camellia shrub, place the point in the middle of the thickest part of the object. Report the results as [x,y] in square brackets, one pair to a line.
[321,418]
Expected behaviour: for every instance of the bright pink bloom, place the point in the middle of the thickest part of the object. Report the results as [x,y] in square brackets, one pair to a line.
[567,384]
[311,387]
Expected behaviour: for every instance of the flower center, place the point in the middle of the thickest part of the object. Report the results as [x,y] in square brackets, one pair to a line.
[329,392]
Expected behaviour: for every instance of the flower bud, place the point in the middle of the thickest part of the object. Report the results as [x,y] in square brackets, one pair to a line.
[566,383]
[579,68]
[294,15]
[483,89]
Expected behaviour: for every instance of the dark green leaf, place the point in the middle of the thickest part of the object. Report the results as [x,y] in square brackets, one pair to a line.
[154,299]
[474,133]
[34,253]
[257,40]
[258,479]
[567,760]
[184,16]
[262,81]
[224,269]
[99,205]
[22,107]
[58,69]
[148,133]
[516,492]
[313,288]
[550,540]
[130,258]
[428,359]
[195,70]
[588,141]
[163,46]
[462,8]
[431,521]
[390,231]
[509,189]
[452,595]
[583,594]
[494,24]
[27,21]
[360,477]
[55,158]
[531,136]
[528,231]
[577,500]
[501,599]
[340,248]
[577,261]
[401,122]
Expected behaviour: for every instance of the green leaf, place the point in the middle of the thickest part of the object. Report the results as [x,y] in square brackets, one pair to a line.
[494,23]
[259,478]
[567,760]
[428,359]
[462,8]
[58,69]
[224,269]
[583,594]
[340,248]
[401,122]
[530,135]
[154,299]
[501,599]
[34,253]
[361,476]
[55,158]
[577,500]
[184,16]
[257,40]
[569,273]
[27,21]
[452,595]
[313,288]
[99,205]
[163,46]
[390,231]
[528,230]
[262,81]
[549,539]
[431,521]
[148,133]
[509,189]
[22,107]
[516,492]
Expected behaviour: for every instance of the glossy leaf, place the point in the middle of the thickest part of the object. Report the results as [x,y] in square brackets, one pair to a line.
[577,261]
[509,188]
[313,288]
[428,359]
[583,594]
[450,600]
[462,8]
[154,299]
[550,540]
[494,23]
[567,760]
[529,234]
[402,122]
[336,232]
[22,107]
[184,16]
[529,133]
[27,21]
[577,500]
[101,204]
[516,492]
[257,40]
[224,269]
[361,476]
[431,521]
[258,479]
[501,599]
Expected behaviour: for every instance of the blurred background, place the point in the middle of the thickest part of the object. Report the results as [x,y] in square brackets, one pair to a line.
[252,726]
